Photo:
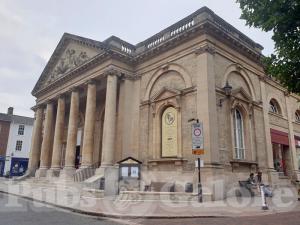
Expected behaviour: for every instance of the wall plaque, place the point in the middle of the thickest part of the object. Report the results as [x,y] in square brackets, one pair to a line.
[169,132]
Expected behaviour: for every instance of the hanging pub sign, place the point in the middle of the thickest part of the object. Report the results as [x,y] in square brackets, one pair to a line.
[197,138]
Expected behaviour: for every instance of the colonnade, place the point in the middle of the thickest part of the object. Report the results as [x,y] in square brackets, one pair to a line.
[46,146]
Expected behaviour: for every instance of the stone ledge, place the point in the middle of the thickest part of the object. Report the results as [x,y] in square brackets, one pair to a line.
[89,192]
[162,196]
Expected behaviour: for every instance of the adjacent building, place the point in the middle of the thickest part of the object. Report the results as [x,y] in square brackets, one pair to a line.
[15,140]
[106,102]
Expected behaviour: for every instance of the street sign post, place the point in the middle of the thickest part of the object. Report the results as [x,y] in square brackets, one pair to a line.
[197,138]
[198,149]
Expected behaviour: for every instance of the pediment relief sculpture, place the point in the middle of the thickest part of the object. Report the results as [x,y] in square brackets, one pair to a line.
[73,58]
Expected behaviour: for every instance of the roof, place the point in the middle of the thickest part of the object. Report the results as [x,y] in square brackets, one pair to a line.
[16,119]
[203,20]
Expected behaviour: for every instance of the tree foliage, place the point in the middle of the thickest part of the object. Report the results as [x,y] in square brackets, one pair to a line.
[283,18]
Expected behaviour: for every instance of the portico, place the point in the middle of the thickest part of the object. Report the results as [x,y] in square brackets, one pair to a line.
[57,158]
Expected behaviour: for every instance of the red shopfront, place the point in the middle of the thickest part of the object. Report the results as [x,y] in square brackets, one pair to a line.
[280,146]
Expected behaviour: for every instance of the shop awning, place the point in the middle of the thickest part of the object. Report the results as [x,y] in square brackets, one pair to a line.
[279,137]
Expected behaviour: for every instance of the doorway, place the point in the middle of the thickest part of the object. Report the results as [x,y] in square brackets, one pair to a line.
[77,157]
[280,158]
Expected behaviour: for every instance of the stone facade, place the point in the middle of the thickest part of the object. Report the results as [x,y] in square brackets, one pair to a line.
[104,101]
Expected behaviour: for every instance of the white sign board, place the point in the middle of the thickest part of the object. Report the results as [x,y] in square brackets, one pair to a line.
[197,136]
[201,163]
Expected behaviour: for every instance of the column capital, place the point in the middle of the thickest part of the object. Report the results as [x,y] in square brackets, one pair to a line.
[91,81]
[37,106]
[72,89]
[112,72]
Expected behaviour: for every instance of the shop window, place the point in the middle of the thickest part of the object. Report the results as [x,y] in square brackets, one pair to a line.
[239,145]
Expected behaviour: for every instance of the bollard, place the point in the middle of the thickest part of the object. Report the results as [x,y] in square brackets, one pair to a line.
[263,198]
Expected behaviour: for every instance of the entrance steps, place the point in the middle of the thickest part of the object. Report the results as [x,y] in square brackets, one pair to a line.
[84,174]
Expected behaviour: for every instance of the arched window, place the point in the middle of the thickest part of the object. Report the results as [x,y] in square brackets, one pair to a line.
[239,145]
[297,116]
[274,107]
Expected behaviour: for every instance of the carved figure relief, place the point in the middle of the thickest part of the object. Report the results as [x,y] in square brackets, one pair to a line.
[71,60]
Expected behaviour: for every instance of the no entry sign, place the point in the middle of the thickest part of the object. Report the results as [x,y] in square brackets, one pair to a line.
[197,138]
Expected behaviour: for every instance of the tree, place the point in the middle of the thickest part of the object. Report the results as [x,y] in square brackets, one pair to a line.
[283,18]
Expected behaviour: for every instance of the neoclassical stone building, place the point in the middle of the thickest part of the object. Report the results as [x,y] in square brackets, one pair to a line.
[101,102]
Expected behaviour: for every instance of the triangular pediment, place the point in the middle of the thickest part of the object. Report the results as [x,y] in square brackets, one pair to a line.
[241,94]
[71,53]
[165,93]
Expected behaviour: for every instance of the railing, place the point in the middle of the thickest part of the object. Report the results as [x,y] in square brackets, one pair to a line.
[198,17]
[126,49]
[182,28]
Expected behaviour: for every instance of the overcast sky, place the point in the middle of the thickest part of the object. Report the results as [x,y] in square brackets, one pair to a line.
[31,29]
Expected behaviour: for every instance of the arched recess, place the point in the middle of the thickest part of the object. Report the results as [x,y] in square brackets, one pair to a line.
[238,69]
[170,67]
[157,112]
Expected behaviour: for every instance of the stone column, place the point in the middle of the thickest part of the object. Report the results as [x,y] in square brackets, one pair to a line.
[58,136]
[89,126]
[36,141]
[109,127]
[294,161]
[47,141]
[272,174]
[69,168]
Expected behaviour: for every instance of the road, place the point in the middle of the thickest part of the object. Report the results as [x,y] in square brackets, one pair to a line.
[19,211]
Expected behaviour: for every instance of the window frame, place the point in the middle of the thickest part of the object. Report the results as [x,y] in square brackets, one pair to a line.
[239,135]
[19,145]
[274,107]
[21,129]
[297,116]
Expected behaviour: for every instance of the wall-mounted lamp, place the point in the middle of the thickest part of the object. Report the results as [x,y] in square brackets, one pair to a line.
[193,119]
[227,89]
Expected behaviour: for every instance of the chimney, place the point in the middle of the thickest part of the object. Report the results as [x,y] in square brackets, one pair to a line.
[10,111]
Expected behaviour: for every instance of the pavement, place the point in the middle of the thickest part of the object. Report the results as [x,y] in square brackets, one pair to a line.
[68,198]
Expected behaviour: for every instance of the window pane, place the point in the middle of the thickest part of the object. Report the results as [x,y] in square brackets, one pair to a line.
[238,134]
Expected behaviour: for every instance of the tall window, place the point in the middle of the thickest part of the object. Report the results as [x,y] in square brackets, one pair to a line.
[21,129]
[238,135]
[19,145]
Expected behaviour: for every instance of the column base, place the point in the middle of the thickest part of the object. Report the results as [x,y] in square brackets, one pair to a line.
[273,177]
[111,176]
[31,172]
[67,173]
[41,172]
[53,172]
[85,166]
[296,175]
